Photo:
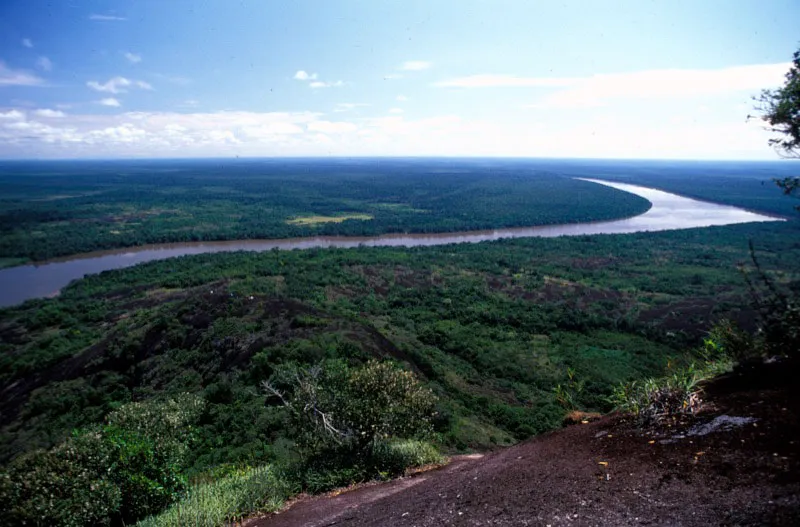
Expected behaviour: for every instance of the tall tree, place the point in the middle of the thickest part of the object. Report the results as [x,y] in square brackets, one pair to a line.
[780,109]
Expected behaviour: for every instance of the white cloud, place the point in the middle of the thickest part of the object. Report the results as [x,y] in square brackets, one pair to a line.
[392,76]
[347,106]
[110,101]
[668,84]
[415,65]
[118,85]
[12,115]
[133,58]
[46,112]
[44,64]
[271,129]
[401,98]
[504,81]
[12,77]
[582,92]
[305,76]
[106,18]
[681,134]
[320,84]
[395,110]
[328,127]
[27,42]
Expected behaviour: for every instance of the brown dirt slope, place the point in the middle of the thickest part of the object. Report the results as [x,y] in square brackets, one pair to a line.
[608,472]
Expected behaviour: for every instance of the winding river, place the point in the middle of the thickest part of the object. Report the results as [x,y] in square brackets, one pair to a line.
[668,211]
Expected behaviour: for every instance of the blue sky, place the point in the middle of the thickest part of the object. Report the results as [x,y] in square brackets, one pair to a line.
[154,78]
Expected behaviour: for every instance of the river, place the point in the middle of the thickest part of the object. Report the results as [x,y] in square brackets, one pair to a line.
[668,211]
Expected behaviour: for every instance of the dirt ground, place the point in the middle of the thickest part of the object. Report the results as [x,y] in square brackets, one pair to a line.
[712,469]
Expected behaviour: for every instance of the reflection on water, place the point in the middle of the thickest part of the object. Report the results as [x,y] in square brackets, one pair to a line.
[669,211]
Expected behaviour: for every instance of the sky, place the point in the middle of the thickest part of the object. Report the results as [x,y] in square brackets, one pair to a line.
[642,79]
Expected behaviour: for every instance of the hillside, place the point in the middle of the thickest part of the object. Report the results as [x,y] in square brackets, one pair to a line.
[492,328]
[608,472]
[506,337]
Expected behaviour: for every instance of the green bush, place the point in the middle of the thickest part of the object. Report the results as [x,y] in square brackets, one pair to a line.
[110,475]
[226,500]
[344,466]
[394,457]
[347,421]
[333,406]
[66,485]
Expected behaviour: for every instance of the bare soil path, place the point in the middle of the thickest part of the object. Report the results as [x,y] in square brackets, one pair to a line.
[608,472]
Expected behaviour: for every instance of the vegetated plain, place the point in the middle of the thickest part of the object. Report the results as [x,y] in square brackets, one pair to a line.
[496,330]
[53,209]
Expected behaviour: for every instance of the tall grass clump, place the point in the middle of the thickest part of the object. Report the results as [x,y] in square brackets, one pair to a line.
[678,392]
[226,500]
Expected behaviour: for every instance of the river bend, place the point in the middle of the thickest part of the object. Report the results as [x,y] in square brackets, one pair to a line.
[668,211]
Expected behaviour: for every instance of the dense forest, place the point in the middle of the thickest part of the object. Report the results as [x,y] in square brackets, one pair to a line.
[135,391]
[53,209]
[493,328]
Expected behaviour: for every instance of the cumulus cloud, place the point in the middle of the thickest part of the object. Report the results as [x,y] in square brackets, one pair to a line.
[12,77]
[118,85]
[28,43]
[106,18]
[401,98]
[302,75]
[44,64]
[348,106]
[581,92]
[133,58]
[12,115]
[504,81]
[162,133]
[46,112]
[110,101]
[395,110]
[320,84]
[171,134]
[328,127]
[415,65]
[313,81]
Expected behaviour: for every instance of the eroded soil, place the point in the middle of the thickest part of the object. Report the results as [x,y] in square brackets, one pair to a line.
[608,472]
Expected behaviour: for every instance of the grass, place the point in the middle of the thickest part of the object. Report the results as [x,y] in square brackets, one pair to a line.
[226,500]
[316,220]
[654,400]
[247,491]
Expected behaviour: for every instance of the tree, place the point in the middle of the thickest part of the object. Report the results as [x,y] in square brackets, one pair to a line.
[780,109]
[333,405]
[113,474]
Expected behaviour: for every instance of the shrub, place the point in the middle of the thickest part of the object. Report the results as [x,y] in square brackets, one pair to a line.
[62,486]
[657,399]
[117,473]
[343,466]
[226,500]
[332,405]
[346,421]
[392,458]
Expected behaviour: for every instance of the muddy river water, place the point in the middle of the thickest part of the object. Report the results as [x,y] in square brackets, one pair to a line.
[668,211]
